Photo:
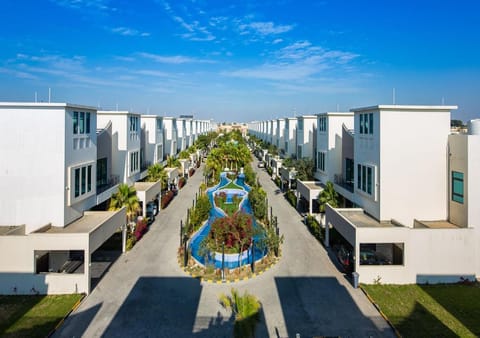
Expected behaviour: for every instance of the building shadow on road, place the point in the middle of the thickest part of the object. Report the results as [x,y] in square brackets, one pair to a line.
[167,307]
[320,306]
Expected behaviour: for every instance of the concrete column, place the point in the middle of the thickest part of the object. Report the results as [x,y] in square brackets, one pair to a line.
[310,202]
[124,238]
[327,235]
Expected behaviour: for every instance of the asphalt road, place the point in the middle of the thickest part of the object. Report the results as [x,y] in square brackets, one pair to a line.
[146,294]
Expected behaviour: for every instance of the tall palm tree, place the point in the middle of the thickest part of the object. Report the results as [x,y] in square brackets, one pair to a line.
[125,197]
[157,173]
[328,195]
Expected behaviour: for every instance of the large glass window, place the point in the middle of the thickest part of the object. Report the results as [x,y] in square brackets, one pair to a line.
[365,178]
[81,123]
[77,182]
[321,160]
[366,123]
[102,178]
[84,179]
[381,253]
[322,123]
[75,122]
[457,186]
[89,178]
[87,123]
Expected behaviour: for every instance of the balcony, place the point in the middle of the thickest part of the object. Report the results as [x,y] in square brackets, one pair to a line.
[342,182]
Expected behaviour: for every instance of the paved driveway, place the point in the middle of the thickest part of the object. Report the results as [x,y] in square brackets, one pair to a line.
[146,294]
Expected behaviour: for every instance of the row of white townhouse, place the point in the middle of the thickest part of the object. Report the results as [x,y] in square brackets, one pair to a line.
[411,187]
[59,161]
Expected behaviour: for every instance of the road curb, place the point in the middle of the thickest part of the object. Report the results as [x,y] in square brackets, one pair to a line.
[229,281]
[61,321]
[384,316]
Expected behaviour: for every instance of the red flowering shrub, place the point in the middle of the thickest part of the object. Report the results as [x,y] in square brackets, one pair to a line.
[181,182]
[167,198]
[191,172]
[140,229]
[235,231]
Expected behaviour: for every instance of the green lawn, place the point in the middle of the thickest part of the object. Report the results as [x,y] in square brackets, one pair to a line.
[430,310]
[33,316]
[232,185]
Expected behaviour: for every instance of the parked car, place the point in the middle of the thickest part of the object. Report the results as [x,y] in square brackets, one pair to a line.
[261,164]
[345,257]
[371,257]
[150,212]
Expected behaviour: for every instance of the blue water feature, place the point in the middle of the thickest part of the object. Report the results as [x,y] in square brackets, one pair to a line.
[231,260]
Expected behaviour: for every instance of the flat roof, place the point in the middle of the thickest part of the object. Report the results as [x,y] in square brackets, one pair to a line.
[85,224]
[405,107]
[6,230]
[441,224]
[313,185]
[143,186]
[363,220]
[338,113]
[116,112]
[44,105]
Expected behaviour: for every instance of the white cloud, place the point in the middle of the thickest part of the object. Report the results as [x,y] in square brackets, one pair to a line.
[195,31]
[176,59]
[125,31]
[154,73]
[79,4]
[274,42]
[265,28]
[298,61]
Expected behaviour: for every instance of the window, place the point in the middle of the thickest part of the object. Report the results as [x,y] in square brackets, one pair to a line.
[381,253]
[87,123]
[349,171]
[365,178]
[321,160]
[82,180]
[134,162]
[299,151]
[322,123]
[75,122]
[81,122]
[159,152]
[134,123]
[300,124]
[102,178]
[366,124]
[286,146]
[457,186]
[159,124]
[77,182]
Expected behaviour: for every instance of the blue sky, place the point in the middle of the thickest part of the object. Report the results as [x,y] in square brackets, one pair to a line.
[242,60]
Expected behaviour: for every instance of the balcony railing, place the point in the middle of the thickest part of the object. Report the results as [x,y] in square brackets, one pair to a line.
[112,181]
[346,184]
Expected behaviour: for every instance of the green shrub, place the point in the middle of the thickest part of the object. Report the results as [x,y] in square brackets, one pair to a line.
[290,196]
[257,197]
[269,171]
[131,240]
[314,227]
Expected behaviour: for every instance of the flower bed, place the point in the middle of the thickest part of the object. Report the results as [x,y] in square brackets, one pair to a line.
[181,182]
[166,199]
[191,172]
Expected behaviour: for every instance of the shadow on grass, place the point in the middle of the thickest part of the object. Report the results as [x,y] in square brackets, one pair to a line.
[12,308]
[421,323]
[461,301]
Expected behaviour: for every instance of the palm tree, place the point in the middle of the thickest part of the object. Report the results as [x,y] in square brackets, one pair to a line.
[328,195]
[125,197]
[172,162]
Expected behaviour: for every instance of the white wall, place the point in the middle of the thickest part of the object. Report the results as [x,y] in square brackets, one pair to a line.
[123,142]
[430,255]
[330,142]
[413,167]
[291,136]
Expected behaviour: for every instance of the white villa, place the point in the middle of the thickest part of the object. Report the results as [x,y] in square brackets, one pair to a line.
[409,190]
[63,160]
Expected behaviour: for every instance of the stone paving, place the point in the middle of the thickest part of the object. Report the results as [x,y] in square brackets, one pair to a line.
[146,294]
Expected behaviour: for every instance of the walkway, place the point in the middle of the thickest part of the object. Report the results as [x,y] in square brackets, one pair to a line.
[146,294]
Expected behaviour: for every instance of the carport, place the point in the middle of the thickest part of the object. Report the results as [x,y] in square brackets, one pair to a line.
[309,190]
[146,192]
[62,255]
